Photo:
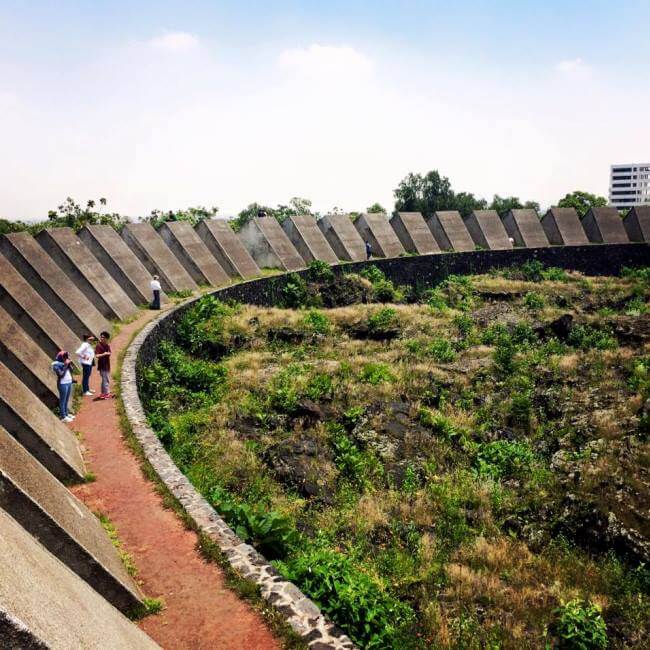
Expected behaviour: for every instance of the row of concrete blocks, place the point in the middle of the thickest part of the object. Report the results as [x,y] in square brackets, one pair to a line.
[60,285]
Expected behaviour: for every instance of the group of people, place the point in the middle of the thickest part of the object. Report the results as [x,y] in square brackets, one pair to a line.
[90,353]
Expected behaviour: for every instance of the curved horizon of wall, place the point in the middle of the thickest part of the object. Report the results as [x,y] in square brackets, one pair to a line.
[302,614]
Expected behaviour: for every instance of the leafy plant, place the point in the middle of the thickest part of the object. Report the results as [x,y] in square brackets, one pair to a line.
[534,301]
[382,319]
[441,350]
[579,625]
[294,292]
[504,458]
[376,373]
[586,337]
[317,322]
[319,271]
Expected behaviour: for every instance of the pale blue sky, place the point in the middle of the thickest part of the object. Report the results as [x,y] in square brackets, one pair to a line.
[169,104]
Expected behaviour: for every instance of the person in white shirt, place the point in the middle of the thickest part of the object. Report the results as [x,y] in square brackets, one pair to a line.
[86,355]
[62,367]
[155,287]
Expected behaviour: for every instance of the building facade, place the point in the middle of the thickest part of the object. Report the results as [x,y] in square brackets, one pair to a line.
[629,185]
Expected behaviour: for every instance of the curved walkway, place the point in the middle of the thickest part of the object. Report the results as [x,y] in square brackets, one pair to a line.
[200,611]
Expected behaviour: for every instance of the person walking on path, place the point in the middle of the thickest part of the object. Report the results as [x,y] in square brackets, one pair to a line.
[86,355]
[368,250]
[155,287]
[103,356]
[62,367]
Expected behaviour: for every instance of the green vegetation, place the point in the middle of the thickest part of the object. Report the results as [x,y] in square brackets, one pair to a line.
[462,467]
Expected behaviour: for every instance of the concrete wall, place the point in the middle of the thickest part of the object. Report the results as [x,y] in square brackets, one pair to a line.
[412,230]
[343,237]
[376,229]
[308,239]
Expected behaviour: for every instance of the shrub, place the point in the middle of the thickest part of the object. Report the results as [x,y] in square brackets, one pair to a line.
[436,299]
[464,323]
[504,355]
[319,387]
[382,319]
[441,350]
[534,301]
[588,338]
[504,459]
[373,274]
[579,626]
[317,322]
[376,373]
[438,423]
[459,292]
[319,271]
[294,292]
[353,599]
[349,460]
[555,274]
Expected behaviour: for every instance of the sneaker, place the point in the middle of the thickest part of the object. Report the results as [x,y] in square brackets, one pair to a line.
[67,419]
[105,396]
[88,392]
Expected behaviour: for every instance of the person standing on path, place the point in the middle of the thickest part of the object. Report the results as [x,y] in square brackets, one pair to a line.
[155,287]
[368,250]
[103,356]
[86,356]
[62,367]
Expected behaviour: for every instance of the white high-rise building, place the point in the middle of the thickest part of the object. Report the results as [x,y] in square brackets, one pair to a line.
[629,185]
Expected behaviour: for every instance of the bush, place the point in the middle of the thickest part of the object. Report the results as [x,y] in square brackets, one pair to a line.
[441,350]
[354,600]
[464,323]
[504,459]
[382,320]
[376,373]
[436,299]
[588,338]
[438,423]
[319,271]
[317,322]
[294,292]
[580,626]
[534,301]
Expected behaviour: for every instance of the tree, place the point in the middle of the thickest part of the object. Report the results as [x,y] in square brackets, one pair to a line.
[503,204]
[582,202]
[192,215]
[376,207]
[7,226]
[466,203]
[70,214]
[425,194]
[296,206]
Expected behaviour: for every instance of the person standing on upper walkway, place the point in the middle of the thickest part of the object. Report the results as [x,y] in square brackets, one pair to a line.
[155,288]
[86,356]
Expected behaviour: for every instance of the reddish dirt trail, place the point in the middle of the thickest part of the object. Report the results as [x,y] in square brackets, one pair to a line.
[200,611]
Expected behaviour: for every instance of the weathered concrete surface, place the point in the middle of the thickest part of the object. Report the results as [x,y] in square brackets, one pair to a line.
[269,245]
[120,262]
[563,228]
[525,228]
[450,232]
[26,360]
[604,226]
[192,253]
[32,313]
[412,230]
[487,231]
[86,273]
[308,239]
[37,429]
[227,248]
[52,284]
[43,604]
[62,523]
[343,237]
[637,223]
[152,251]
[376,229]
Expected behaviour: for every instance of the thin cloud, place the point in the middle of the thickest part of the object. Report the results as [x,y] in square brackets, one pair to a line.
[317,60]
[573,68]
[175,42]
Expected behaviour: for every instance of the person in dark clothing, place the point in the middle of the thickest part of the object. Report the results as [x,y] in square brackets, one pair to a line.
[103,356]
[368,250]
[155,288]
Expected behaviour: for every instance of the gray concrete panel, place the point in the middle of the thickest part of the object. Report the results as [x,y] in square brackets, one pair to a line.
[63,524]
[343,237]
[487,231]
[227,248]
[40,322]
[449,230]
[637,223]
[525,228]
[192,253]
[86,273]
[412,230]
[121,262]
[308,239]
[563,228]
[26,360]
[37,429]
[152,251]
[376,229]
[269,245]
[52,284]
[604,226]
[43,604]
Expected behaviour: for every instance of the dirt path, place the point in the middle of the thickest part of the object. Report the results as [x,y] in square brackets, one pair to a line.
[200,611]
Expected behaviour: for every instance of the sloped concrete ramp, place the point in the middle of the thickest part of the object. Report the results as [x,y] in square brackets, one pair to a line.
[269,246]
[308,239]
[43,604]
[604,226]
[412,230]
[376,229]
[637,223]
[487,230]
[37,429]
[343,237]
[563,228]
[525,228]
[62,523]
[449,230]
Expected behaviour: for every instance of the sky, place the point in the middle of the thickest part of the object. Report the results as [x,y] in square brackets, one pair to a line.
[166,105]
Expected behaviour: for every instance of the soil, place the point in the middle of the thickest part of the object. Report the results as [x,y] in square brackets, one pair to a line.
[200,611]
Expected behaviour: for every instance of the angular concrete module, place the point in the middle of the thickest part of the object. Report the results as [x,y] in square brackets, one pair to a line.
[269,245]
[152,251]
[227,248]
[37,429]
[63,524]
[375,228]
[52,284]
[308,239]
[32,313]
[450,231]
[637,223]
[26,360]
[43,604]
[192,253]
[525,228]
[412,230]
[120,262]
[86,273]
[343,237]
[563,228]
[604,226]
[487,230]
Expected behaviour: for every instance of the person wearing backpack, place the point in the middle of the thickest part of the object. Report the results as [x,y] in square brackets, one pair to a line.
[62,368]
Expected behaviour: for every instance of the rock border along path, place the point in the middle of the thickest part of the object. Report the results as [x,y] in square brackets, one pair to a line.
[200,610]
[301,613]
